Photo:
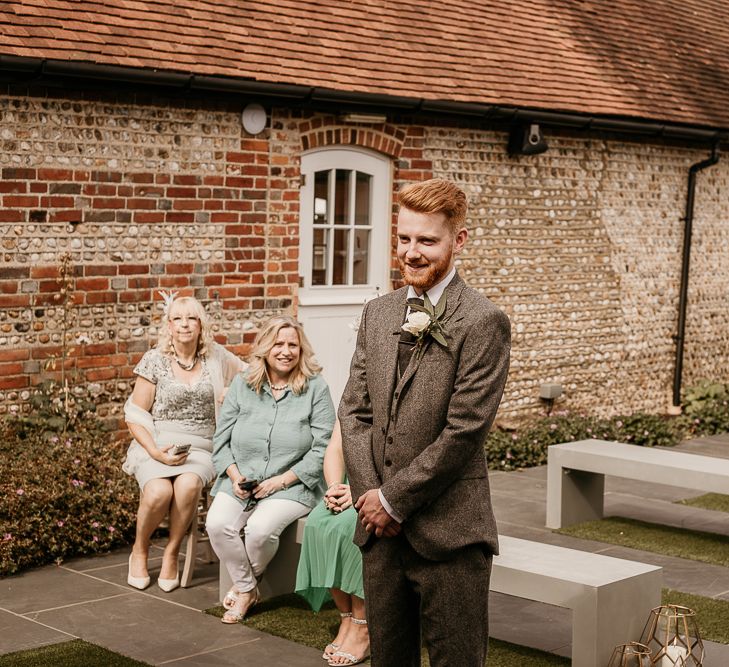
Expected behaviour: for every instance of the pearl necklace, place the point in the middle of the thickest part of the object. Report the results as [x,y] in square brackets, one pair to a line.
[280,387]
[186,367]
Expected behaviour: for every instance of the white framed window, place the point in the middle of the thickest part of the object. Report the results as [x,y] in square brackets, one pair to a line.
[344,225]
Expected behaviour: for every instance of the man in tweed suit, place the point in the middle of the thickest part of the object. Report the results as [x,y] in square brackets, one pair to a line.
[413,425]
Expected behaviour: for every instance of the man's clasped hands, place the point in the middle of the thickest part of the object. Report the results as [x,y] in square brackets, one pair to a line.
[374,517]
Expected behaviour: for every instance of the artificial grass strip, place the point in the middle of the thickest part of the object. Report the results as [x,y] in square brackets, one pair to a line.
[290,617]
[709,501]
[712,616]
[75,653]
[656,538]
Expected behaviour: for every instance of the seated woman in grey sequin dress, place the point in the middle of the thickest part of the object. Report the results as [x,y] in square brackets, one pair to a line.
[180,385]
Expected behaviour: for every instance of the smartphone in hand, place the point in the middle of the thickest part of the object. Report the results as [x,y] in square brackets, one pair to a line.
[181,449]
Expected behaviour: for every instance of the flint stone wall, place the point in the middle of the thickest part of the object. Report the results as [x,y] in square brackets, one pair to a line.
[582,246]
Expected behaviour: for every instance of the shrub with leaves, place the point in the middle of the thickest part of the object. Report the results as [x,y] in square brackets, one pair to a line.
[648,430]
[55,409]
[527,446]
[504,451]
[706,406]
[61,494]
[706,392]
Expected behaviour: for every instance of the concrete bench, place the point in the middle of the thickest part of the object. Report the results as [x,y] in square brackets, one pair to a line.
[576,475]
[610,598]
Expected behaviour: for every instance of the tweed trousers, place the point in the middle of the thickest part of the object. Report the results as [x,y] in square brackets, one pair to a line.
[428,599]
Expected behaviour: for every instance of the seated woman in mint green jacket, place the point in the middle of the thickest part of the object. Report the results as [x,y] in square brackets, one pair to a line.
[268,450]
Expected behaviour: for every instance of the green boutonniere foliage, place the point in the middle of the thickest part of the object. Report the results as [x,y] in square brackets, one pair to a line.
[427,321]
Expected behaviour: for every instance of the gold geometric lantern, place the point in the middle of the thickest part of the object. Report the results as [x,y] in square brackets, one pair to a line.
[673,637]
[631,654]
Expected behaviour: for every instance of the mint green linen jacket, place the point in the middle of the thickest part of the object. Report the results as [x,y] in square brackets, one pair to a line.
[265,437]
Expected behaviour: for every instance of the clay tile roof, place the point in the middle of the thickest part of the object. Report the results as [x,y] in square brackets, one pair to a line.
[666,60]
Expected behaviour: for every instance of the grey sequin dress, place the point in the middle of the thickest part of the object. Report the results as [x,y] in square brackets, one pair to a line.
[182,413]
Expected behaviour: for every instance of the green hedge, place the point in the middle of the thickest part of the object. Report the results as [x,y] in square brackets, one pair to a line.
[61,494]
[706,407]
[706,412]
[527,446]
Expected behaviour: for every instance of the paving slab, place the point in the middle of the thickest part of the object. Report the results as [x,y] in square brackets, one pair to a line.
[20,633]
[147,628]
[666,513]
[264,650]
[201,594]
[715,655]
[712,445]
[529,623]
[52,586]
[112,559]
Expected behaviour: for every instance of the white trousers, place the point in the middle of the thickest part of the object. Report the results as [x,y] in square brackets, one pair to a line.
[246,558]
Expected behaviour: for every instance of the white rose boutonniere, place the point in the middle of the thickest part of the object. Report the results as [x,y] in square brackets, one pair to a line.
[427,321]
[416,322]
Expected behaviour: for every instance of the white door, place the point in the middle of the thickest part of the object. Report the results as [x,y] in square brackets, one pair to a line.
[344,252]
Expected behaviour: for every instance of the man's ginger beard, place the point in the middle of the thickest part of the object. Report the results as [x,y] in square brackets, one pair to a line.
[426,279]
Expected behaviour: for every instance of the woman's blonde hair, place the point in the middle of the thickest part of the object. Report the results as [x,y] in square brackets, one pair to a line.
[265,340]
[204,341]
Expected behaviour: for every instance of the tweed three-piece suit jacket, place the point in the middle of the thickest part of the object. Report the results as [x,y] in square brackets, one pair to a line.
[420,437]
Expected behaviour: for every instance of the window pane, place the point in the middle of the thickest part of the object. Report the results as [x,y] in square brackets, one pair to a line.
[341,247]
[319,258]
[362,199]
[361,255]
[341,197]
[321,197]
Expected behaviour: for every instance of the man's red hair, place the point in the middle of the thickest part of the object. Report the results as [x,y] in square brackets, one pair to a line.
[436,196]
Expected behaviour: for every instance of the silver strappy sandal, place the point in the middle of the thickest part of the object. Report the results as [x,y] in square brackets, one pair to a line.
[349,658]
[332,645]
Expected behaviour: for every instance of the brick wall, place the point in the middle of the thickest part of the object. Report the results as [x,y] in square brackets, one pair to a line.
[143,196]
[580,245]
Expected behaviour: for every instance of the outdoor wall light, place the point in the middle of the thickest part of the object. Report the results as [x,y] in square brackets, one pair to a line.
[364,118]
[549,392]
[254,118]
[526,139]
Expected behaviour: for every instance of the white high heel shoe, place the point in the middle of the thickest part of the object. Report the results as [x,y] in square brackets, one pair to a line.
[168,585]
[137,582]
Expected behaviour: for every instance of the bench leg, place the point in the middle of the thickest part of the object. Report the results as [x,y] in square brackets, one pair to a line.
[573,496]
[612,615]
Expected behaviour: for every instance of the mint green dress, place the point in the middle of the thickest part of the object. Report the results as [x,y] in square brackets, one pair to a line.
[329,558]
